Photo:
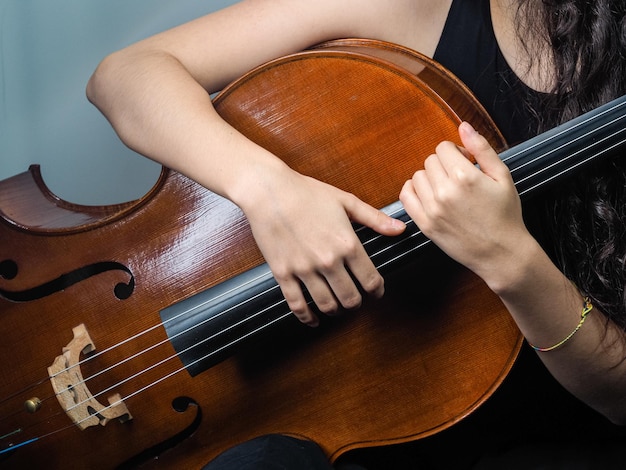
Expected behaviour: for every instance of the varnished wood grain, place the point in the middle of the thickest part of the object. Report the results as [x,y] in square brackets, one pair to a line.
[402,368]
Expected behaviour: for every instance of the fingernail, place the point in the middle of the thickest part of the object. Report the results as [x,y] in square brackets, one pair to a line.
[397,224]
[467,127]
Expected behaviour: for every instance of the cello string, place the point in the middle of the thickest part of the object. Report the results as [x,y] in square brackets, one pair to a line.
[151,347]
[513,170]
[176,355]
[289,313]
[197,344]
[582,162]
[186,312]
[389,261]
[172,357]
[582,123]
[136,392]
[79,363]
[125,341]
[167,340]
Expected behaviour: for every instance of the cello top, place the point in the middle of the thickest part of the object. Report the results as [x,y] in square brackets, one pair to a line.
[391,372]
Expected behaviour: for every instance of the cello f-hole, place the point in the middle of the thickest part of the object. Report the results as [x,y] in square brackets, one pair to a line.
[180,405]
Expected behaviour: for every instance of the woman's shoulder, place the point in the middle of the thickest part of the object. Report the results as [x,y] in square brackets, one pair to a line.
[221,45]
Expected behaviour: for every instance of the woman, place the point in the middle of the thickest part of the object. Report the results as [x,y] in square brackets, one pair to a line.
[554,60]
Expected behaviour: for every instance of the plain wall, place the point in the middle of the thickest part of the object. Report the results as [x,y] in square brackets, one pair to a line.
[48,50]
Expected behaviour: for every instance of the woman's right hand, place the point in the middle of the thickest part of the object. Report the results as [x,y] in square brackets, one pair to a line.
[303,228]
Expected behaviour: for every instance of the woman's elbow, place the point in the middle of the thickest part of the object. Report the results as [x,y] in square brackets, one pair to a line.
[101,81]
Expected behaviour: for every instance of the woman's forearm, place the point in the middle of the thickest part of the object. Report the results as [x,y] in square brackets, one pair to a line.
[161,112]
[590,363]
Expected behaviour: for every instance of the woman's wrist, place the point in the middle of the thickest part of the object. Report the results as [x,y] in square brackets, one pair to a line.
[517,267]
[260,178]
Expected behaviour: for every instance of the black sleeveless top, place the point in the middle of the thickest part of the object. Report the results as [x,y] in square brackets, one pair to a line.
[468,48]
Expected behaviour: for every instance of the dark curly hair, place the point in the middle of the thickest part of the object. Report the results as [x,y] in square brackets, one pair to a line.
[587,214]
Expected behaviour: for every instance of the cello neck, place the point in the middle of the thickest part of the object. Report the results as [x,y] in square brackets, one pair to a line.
[548,158]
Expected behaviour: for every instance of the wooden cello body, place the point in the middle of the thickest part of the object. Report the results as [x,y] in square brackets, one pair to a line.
[90,378]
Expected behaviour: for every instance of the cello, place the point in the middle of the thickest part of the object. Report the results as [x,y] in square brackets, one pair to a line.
[151,333]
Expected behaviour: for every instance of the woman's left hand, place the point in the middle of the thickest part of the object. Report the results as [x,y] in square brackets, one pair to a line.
[473,213]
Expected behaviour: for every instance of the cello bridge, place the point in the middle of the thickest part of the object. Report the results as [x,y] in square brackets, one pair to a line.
[71,389]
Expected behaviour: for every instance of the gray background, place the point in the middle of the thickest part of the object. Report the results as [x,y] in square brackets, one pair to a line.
[48,50]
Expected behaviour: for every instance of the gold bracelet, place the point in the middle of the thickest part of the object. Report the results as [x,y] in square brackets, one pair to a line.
[587,307]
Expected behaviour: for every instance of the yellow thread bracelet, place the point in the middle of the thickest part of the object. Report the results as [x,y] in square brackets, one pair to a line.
[587,307]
